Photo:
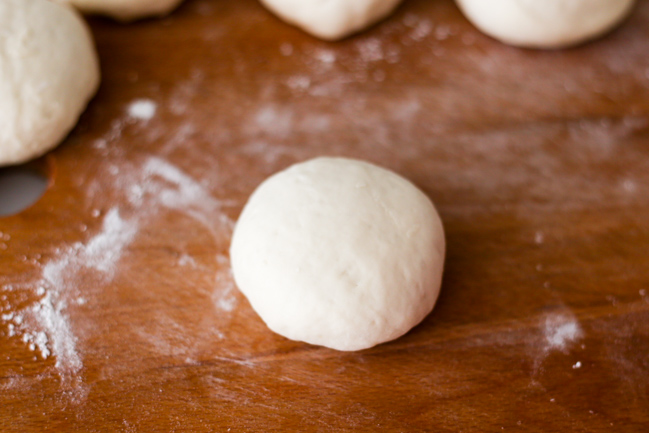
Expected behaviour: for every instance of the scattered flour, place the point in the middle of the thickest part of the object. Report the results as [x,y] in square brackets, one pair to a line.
[561,331]
[286,49]
[629,186]
[100,253]
[46,324]
[443,32]
[187,260]
[577,365]
[142,109]
[167,186]
[370,50]
[225,299]
[421,30]
[326,56]
[298,82]
[154,185]
[275,121]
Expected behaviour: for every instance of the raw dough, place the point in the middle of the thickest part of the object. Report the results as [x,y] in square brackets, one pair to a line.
[545,23]
[339,253]
[125,10]
[48,72]
[332,19]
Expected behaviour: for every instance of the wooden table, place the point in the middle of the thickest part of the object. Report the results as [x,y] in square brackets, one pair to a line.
[119,278]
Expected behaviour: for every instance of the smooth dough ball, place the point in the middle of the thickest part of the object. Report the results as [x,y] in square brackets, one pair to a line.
[332,19]
[545,23]
[125,10]
[48,72]
[339,253]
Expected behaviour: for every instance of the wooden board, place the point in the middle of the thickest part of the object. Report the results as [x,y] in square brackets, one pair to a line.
[119,280]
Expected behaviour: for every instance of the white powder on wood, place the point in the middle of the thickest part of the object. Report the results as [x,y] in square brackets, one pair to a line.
[224,299]
[45,325]
[560,331]
[286,49]
[275,121]
[422,29]
[105,249]
[154,185]
[142,109]
[165,185]
[370,50]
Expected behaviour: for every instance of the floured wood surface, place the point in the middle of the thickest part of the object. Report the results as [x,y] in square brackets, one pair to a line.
[118,311]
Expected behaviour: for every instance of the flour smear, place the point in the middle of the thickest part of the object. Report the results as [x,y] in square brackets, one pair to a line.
[559,332]
[65,278]
[45,325]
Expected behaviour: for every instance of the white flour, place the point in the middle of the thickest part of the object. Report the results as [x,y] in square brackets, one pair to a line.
[560,331]
[224,300]
[45,326]
[142,109]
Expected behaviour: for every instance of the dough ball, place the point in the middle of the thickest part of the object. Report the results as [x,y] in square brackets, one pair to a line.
[545,23]
[125,10]
[48,73]
[332,19]
[339,253]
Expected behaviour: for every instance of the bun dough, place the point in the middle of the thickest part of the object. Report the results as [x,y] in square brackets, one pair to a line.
[48,73]
[125,10]
[332,19]
[545,23]
[339,253]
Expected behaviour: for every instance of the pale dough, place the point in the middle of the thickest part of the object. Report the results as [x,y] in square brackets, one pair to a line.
[48,72]
[545,23]
[125,10]
[332,19]
[339,253]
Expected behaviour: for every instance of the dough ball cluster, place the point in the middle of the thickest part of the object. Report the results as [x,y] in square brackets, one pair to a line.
[339,253]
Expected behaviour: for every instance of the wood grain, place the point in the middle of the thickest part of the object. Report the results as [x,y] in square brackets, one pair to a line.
[538,163]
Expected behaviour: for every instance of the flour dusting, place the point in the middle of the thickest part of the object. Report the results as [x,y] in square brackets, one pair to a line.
[142,109]
[168,186]
[45,325]
[561,331]
[286,49]
[225,300]
[558,332]
[370,50]
[275,121]
[50,315]
[100,253]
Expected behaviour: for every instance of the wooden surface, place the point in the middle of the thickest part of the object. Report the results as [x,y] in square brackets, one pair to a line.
[538,163]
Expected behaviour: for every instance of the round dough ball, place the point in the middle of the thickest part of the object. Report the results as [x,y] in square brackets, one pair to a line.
[125,10]
[48,72]
[545,23]
[332,19]
[339,253]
